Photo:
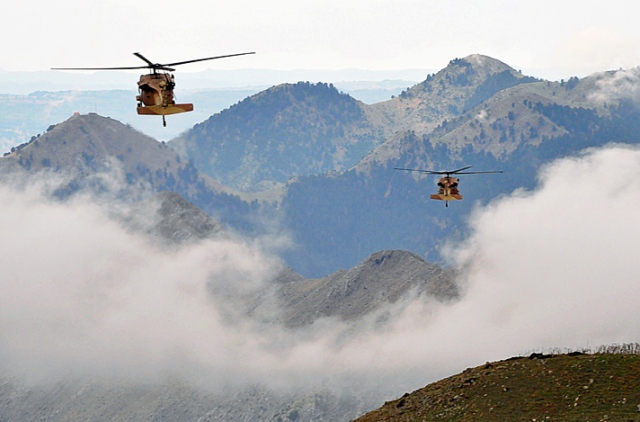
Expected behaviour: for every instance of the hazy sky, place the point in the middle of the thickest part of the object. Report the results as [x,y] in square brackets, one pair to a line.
[544,38]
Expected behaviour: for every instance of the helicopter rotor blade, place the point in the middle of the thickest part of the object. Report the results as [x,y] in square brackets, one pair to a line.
[420,170]
[447,173]
[457,171]
[150,64]
[481,172]
[143,58]
[208,58]
[100,68]
[154,66]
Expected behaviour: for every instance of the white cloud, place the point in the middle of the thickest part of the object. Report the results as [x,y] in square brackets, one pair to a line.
[612,87]
[81,294]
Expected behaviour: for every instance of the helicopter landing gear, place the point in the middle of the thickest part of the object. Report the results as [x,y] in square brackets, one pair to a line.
[164,121]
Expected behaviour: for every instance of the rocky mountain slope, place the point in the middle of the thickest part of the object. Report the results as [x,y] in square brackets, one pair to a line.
[528,113]
[567,387]
[88,144]
[382,279]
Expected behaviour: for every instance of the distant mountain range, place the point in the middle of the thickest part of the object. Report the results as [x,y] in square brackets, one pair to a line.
[326,160]
[34,100]
[22,83]
[28,115]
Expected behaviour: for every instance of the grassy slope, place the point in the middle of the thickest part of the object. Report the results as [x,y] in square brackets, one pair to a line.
[598,387]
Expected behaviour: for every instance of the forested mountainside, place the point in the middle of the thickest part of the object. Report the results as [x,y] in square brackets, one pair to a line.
[288,130]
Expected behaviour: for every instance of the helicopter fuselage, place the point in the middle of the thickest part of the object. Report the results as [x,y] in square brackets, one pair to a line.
[447,189]
[155,95]
[447,185]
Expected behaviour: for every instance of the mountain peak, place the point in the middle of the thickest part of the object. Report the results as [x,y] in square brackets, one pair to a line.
[481,61]
[365,288]
[454,90]
[299,129]
[468,74]
[84,140]
[90,145]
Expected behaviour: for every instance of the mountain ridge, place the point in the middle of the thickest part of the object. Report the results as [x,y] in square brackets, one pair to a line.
[364,289]
[260,151]
[460,86]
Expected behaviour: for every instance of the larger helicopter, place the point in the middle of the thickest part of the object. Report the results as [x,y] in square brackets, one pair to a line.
[448,185]
[155,89]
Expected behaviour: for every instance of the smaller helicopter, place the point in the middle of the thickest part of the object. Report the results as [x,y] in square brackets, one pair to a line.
[448,185]
[155,90]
